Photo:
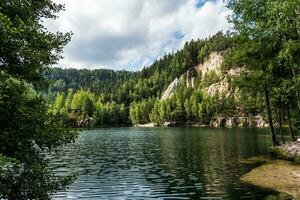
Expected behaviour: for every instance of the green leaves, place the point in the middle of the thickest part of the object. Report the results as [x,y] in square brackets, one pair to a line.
[26,47]
[27,129]
[267,49]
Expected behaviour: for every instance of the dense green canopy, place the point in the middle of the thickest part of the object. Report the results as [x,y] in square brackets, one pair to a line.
[27,128]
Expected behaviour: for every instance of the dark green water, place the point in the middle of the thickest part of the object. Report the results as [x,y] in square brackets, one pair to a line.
[161,163]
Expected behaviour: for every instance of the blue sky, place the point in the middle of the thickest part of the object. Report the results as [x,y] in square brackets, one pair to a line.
[130,34]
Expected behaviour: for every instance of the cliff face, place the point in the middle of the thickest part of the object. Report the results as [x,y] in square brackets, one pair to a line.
[170,90]
[212,64]
[220,86]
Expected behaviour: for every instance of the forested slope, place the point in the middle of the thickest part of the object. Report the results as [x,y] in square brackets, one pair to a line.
[121,97]
[97,81]
[199,92]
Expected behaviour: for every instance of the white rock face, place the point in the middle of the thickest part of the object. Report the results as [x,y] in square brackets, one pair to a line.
[261,122]
[213,63]
[220,87]
[190,80]
[292,149]
[171,89]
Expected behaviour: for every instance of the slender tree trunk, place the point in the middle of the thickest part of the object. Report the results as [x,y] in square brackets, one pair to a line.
[280,122]
[289,122]
[270,120]
[298,97]
[296,90]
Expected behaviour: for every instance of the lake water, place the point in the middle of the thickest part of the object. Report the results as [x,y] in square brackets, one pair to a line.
[161,163]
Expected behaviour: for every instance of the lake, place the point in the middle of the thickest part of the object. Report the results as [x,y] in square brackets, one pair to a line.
[161,163]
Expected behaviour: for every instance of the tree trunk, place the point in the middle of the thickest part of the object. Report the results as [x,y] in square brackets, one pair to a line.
[270,120]
[289,122]
[297,97]
[296,90]
[280,123]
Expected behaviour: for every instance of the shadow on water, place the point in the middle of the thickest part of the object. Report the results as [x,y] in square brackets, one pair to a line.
[182,163]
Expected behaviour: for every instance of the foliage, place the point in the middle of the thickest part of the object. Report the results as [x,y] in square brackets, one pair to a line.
[111,114]
[82,104]
[27,128]
[182,106]
[27,48]
[139,111]
[261,45]
[97,81]
[210,78]
[263,48]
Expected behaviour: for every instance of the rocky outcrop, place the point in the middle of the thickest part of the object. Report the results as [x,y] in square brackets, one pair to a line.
[220,87]
[86,123]
[276,175]
[149,125]
[170,124]
[289,150]
[230,122]
[171,89]
[188,78]
[213,63]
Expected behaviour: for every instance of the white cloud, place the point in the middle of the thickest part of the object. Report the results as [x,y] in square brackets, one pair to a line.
[128,34]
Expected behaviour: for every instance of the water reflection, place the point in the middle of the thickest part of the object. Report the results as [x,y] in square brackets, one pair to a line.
[180,163]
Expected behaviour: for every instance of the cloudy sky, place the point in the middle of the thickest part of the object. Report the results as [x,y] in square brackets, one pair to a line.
[130,34]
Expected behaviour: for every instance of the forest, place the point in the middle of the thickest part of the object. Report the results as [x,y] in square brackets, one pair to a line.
[126,98]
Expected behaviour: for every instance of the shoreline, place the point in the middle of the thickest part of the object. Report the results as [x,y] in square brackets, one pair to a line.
[152,125]
[280,173]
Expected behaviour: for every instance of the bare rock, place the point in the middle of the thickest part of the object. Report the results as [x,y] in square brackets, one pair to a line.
[170,90]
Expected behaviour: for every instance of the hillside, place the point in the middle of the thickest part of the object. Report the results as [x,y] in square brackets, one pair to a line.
[188,86]
[212,65]
[214,83]
[96,81]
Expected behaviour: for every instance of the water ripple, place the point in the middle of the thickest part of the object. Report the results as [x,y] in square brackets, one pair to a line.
[170,163]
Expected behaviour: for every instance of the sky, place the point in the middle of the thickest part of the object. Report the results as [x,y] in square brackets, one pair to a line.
[131,34]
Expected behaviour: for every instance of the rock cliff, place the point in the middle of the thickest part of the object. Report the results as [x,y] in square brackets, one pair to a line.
[222,86]
[213,63]
[170,90]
